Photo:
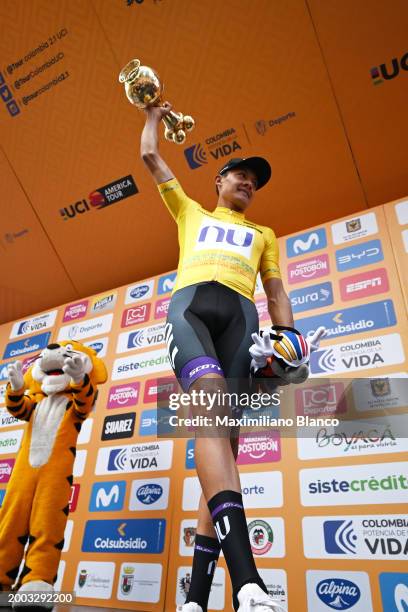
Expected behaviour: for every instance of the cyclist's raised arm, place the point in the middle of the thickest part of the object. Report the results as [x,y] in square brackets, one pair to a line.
[149,148]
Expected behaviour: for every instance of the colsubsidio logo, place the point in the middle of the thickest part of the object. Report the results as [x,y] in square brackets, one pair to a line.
[394,591]
[381,73]
[102,197]
[339,537]
[338,594]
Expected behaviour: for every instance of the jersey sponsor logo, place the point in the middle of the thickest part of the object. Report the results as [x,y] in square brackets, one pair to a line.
[354,320]
[309,298]
[394,591]
[135,315]
[364,284]
[374,352]
[338,590]
[377,483]
[119,426]
[124,536]
[29,345]
[321,400]
[306,243]
[166,283]
[308,269]
[161,308]
[35,324]
[358,255]
[90,327]
[107,496]
[401,210]
[226,236]
[75,311]
[355,228]
[141,291]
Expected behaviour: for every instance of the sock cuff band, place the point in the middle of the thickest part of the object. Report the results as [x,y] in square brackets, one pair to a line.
[206,544]
[224,500]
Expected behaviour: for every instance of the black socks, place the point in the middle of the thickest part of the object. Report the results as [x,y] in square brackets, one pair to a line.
[206,552]
[228,515]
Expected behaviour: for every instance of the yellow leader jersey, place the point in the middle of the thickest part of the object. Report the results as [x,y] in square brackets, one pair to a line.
[219,246]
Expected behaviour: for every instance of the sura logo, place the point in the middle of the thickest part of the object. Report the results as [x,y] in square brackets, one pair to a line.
[104,499]
[382,73]
[338,594]
[149,493]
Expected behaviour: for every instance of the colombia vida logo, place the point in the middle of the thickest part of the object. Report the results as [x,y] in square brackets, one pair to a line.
[102,197]
[386,72]
[217,146]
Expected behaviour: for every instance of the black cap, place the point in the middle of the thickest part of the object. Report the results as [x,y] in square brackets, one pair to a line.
[259,166]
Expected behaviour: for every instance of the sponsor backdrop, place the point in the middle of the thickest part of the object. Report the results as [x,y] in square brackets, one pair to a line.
[303,95]
[343,544]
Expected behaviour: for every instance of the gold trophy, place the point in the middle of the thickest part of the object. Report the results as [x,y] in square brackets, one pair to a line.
[143,88]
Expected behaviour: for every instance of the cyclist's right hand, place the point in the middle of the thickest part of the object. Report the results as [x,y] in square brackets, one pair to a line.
[158,112]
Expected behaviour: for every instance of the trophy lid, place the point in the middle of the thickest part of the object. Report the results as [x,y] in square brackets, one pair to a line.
[129,71]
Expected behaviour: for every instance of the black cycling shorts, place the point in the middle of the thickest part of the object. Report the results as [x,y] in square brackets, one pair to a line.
[208,330]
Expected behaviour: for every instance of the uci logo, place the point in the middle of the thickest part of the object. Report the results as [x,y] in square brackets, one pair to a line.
[226,236]
[383,72]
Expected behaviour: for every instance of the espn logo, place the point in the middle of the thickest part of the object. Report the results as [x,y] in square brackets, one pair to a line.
[364,284]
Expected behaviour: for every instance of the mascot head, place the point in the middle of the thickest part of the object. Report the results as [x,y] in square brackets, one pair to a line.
[47,375]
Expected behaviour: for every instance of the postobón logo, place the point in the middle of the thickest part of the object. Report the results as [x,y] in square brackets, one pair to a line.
[196,156]
[215,147]
[124,536]
[394,591]
[307,242]
[107,496]
[383,72]
[102,197]
[308,269]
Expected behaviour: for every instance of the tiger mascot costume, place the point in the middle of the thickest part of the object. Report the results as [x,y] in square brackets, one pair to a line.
[55,396]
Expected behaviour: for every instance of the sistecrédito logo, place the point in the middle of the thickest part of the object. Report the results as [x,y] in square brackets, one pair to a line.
[215,147]
[102,197]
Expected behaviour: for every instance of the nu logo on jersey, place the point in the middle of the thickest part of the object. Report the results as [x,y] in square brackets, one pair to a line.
[107,496]
[196,156]
[306,243]
[226,236]
[339,537]
[338,594]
